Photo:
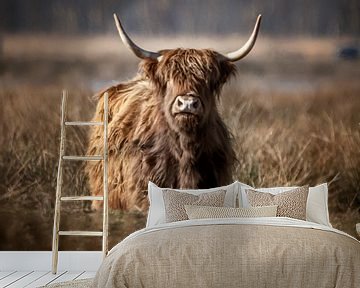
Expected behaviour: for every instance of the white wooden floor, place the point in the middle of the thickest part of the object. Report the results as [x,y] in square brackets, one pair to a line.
[33,269]
[30,279]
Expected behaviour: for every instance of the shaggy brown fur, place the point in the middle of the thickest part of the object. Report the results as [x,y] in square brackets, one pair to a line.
[147,142]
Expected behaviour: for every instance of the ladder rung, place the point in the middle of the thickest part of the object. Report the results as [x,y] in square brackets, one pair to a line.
[85,158]
[81,123]
[80,198]
[81,233]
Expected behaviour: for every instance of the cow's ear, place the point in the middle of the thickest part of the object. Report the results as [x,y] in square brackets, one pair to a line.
[148,68]
[227,69]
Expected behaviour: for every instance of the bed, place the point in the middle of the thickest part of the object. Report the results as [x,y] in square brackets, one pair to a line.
[233,251]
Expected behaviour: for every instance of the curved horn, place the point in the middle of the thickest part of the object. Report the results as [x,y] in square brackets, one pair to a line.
[139,52]
[243,51]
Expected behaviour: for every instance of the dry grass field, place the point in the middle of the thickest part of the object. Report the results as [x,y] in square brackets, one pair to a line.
[294,111]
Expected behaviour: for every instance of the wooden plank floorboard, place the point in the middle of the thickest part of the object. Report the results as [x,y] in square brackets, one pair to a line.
[32,279]
[28,279]
[46,279]
[42,260]
[68,276]
[30,269]
[87,275]
[4,274]
[12,278]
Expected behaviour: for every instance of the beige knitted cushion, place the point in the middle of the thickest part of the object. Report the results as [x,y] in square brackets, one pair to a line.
[174,202]
[201,212]
[290,203]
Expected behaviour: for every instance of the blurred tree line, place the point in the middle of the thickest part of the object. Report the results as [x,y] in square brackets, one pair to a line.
[320,17]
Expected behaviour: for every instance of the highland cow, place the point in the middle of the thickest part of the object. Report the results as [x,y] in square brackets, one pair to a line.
[164,125]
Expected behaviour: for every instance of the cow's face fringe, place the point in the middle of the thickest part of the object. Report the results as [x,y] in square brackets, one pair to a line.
[201,73]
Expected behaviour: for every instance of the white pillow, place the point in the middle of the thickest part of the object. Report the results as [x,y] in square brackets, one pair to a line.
[156,214]
[316,207]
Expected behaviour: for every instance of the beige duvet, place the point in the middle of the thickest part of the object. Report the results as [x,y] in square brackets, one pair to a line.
[273,252]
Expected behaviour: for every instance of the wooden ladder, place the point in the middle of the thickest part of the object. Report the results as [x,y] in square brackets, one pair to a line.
[59,198]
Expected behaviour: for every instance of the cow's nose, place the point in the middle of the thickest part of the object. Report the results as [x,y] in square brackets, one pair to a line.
[187,104]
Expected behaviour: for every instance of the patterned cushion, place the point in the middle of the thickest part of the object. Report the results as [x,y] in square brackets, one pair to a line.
[174,202]
[156,214]
[290,204]
[201,212]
